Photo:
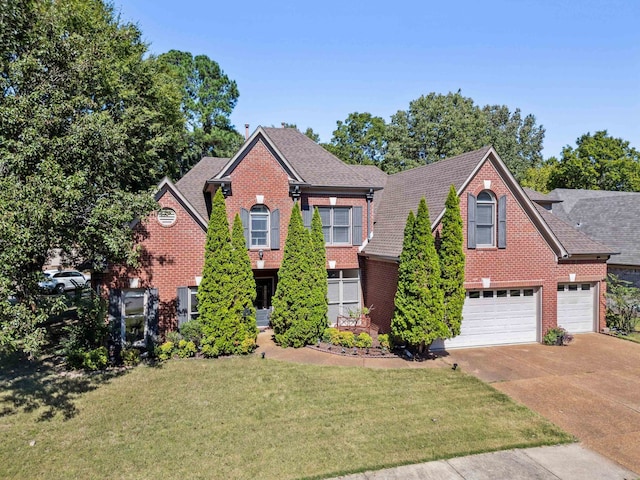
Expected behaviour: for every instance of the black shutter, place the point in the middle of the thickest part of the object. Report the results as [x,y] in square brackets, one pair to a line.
[307,216]
[152,317]
[356,228]
[183,305]
[502,222]
[244,217]
[115,320]
[471,221]
[275,230]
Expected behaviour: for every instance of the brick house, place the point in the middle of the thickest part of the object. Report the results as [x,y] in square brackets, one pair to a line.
[526,270]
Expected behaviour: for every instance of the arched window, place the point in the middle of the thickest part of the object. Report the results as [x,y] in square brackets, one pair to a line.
[485,219]
[259,226]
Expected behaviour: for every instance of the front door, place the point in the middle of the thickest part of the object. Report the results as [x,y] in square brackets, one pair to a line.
[264,291]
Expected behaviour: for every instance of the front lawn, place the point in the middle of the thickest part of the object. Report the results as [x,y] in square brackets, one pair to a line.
[248,418]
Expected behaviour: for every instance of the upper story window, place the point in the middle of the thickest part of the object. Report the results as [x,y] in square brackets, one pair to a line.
[336,225]
[485,219]
[259,226]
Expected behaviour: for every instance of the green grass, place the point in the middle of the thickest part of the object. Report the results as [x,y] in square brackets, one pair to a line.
[247,418]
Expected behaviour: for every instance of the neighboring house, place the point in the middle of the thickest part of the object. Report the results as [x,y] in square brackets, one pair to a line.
[526,271]
[607,217]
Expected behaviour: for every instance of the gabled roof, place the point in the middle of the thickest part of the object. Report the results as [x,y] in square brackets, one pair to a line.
[404,190]
[608,217]
[574,241]
[304,160]
[166,185]
[192,184]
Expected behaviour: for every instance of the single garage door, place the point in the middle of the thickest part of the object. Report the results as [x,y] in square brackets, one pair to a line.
[498,317]
[576,307]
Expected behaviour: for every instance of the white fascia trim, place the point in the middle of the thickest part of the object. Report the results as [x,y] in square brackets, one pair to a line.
[265,137]
[169,185]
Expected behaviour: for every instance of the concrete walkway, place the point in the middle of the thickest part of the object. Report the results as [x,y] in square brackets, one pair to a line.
[565,462]
[591,389]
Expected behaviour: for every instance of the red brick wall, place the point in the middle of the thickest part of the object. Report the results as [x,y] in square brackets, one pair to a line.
[379,284]
[171,257]
[174,256]
[526,261]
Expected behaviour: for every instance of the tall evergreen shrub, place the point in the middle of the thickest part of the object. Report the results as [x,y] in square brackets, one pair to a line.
[244,279]
[418,315]
[452,260]
[220,304]
[319,287]
[296,307]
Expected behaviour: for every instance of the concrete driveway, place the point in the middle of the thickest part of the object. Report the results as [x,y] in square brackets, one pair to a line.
[590,388]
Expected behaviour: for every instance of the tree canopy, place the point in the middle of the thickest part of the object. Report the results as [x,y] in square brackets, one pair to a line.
[438,126]
[208,99]
[598,162]
[87,125]
[360,139]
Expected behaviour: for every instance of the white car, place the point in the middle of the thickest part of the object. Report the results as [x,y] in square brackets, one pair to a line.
[59,281]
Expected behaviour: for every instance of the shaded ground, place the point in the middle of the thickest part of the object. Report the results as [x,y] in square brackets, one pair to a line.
[590,388]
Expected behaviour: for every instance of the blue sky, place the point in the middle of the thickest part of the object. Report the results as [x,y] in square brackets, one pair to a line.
[575,65]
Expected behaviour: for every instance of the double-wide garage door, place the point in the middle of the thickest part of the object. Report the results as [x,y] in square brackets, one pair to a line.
[498,317]
[576,307]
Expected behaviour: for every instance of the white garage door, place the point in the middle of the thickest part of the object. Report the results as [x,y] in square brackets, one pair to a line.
[498,317]
[576,307]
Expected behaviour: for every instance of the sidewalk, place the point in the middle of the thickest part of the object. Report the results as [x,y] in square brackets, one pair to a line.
[564,462]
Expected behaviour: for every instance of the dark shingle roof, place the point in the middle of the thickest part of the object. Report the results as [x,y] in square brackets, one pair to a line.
[607,217]
[192,184]
[573,241]
[404,190]
[313,163]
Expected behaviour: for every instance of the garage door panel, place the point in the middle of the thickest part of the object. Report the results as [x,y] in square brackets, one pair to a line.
[497,320]
[576,307]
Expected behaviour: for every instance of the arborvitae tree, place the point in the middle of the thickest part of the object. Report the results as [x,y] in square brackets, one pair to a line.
[319,300]
[223,329]
[418,316]
[452,263]
[245,281]
[292,316]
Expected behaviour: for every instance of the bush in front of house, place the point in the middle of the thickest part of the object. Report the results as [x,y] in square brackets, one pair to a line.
[557,336]
[384,341]
[130,357]
[452,260]
[222,297]
[299,315]
[83,342]
[364,340]
[419,300]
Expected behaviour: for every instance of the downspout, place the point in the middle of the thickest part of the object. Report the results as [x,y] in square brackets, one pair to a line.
[369,200]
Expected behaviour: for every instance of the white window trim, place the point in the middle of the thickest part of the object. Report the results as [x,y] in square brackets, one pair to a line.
[123,311]
[267,215]
[332,226]
[190,311]
[493,203]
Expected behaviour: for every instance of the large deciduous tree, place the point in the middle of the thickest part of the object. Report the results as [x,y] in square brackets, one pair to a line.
[452,259]
[360,139]
[438,126]
[223,292]
[599,162]
[208,99]
[418,315]
[87,124]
